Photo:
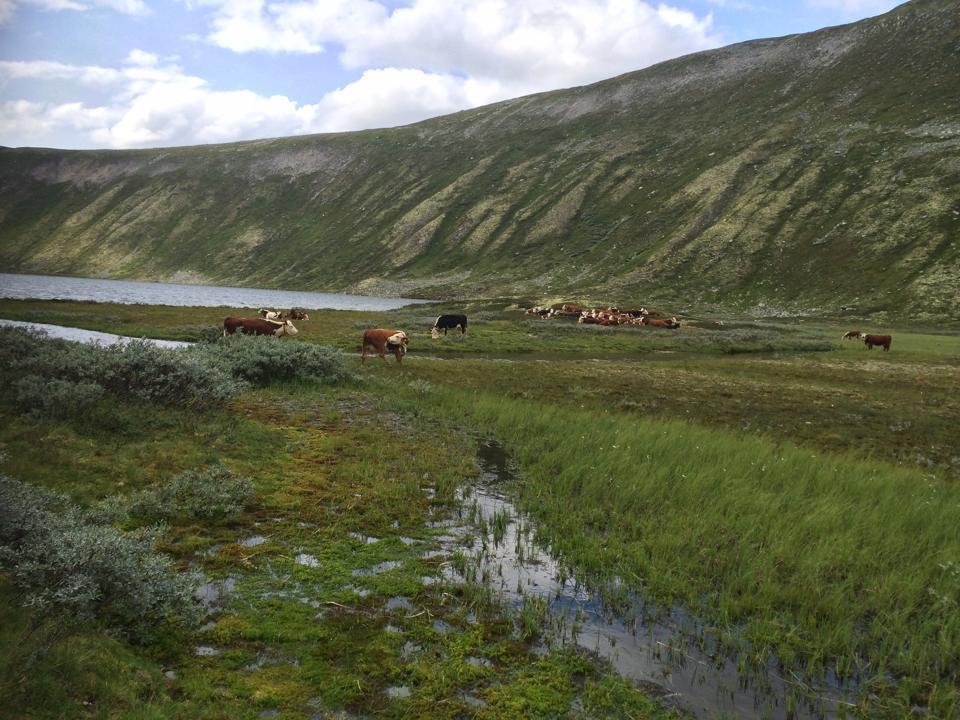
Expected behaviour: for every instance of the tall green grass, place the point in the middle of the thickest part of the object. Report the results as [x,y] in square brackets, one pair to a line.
[824,560]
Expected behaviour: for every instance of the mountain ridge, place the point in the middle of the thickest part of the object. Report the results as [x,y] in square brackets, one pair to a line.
[802,173]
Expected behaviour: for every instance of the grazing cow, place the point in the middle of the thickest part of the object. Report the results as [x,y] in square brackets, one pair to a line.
[381,341]
[445,322]
[298,314]
[853,335]
[258,326]
[270,314]
[882,340]
[567,308]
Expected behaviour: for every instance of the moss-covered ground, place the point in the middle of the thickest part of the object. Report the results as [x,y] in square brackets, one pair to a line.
[795,485]
[326,599]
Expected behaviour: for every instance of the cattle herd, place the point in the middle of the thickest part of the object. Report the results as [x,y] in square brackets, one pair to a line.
[380,341]
[639,317]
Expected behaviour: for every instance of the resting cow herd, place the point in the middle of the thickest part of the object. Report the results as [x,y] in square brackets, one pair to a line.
[639,317]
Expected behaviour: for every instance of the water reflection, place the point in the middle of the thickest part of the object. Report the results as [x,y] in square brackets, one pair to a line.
[671,649]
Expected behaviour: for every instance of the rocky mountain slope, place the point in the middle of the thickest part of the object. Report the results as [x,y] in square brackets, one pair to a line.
[804,173]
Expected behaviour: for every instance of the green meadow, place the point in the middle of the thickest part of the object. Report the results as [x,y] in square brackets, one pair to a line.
[797,492]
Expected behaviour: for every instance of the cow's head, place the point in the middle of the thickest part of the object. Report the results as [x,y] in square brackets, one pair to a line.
[285,328]
[398,342]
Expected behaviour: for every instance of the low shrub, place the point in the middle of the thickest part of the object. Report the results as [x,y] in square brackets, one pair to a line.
[263,360]
[134,369]
[76,572]
[55,398]
[207,493]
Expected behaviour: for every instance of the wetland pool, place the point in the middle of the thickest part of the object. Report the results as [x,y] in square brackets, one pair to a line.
[669,650]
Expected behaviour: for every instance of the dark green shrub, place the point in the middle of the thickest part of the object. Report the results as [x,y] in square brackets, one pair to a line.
[133,370]
[77,572]
[263,360]
[211,492]
[55,398]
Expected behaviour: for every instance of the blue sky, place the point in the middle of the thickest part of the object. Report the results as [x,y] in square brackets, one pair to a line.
[152,73]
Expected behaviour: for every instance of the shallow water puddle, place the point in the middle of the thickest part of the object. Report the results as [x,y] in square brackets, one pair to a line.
[665,652]
[215,593]
[252,541]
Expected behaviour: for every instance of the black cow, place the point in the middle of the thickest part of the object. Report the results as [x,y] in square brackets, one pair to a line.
[445,322]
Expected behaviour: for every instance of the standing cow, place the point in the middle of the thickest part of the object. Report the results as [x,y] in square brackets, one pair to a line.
[445,322]
[258,326]
[381,341]
[881,340]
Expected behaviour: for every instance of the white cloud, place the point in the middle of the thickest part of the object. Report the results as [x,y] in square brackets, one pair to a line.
[152,105]
[139,57]
[431,58]
[392,96]
[159,105]
[127,7]
[47,70]
[535,44]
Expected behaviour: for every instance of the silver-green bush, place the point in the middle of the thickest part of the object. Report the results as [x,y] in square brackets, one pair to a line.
[263,360]
[207,493]
[55,398]
[135,370]
[77,572]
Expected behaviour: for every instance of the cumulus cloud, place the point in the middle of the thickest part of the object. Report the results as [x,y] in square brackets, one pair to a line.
[536,44]
[155,104]
[151,105]
[429,58]
[392,96]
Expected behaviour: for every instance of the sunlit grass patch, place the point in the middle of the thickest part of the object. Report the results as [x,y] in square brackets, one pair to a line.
[827,560]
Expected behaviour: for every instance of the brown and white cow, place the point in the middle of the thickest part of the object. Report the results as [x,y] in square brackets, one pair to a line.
[298,314]
[853,335]
[258,326]
[270,314]
[881,340]
[383,340]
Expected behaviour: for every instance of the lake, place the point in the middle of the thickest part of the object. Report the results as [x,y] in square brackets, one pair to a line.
[132,292]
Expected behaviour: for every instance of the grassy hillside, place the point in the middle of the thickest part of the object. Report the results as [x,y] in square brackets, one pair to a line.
[807,173]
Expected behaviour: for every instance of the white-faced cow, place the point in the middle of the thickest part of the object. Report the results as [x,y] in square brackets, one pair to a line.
[258,326]
[298,314]
[853,335]
[381,341]
[445,322]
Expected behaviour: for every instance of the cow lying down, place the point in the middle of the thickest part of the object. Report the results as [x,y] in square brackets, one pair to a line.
[383,340]
[258,326]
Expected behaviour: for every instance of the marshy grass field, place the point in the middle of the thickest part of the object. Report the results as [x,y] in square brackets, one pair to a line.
[797,493]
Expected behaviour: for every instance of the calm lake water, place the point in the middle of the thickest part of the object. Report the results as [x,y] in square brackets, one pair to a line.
[130,292]
[88,336]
